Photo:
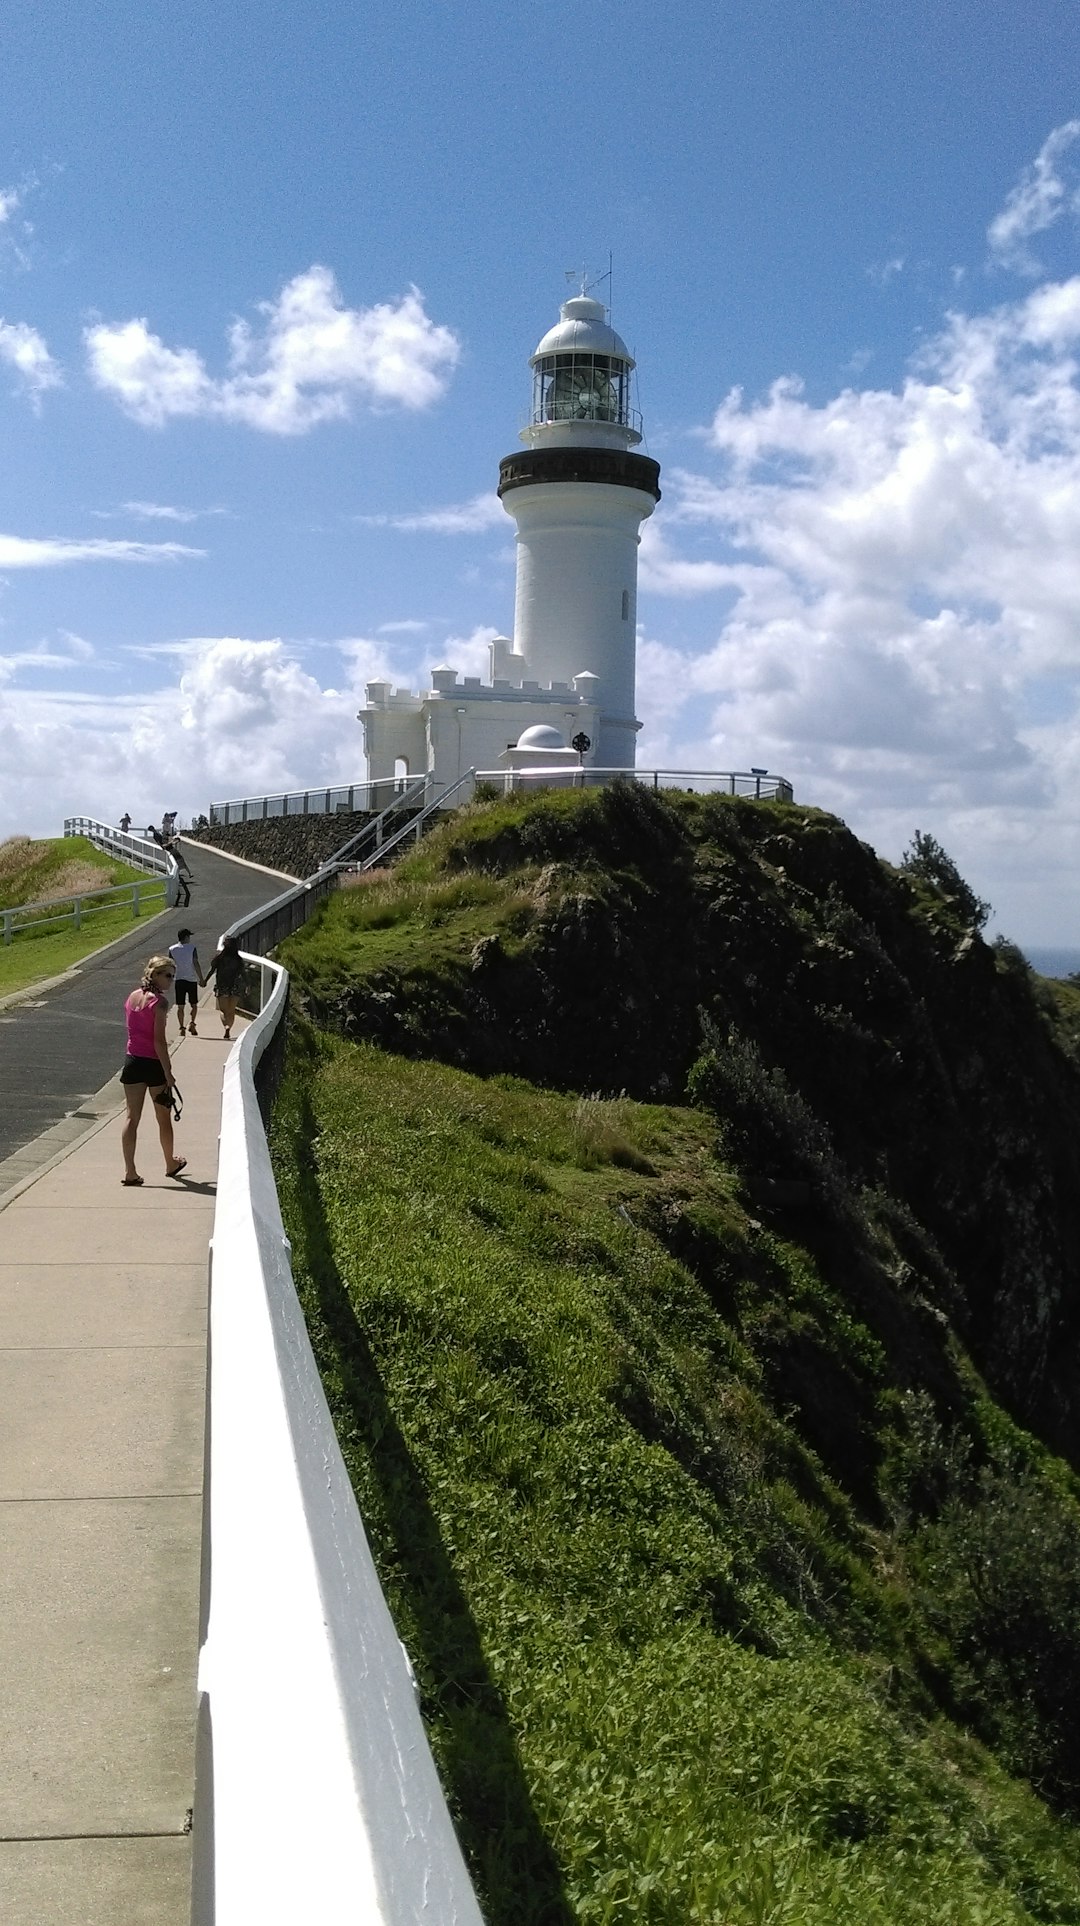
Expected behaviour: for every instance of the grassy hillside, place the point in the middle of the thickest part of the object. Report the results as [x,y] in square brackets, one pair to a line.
[33,871]
[735,1592]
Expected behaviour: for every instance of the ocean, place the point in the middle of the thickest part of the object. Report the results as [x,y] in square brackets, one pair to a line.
[1054,962]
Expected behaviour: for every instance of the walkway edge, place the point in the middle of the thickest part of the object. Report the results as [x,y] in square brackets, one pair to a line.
[264,868]
[43,1153]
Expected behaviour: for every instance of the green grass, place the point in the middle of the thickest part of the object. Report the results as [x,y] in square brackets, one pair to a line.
[33,872]
[672,1669]
[32,958]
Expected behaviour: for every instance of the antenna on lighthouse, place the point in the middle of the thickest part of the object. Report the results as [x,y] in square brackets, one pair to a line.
[585,285]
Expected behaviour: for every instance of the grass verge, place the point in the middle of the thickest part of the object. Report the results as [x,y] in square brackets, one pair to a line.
[32,958]
[666,1665]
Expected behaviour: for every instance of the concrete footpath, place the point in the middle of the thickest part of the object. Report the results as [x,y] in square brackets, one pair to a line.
[102,1381]
[58,1044]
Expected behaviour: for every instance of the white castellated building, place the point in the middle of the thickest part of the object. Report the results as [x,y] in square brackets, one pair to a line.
[578,495]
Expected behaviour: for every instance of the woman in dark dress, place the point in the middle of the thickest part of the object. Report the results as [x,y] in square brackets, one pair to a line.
[227,969]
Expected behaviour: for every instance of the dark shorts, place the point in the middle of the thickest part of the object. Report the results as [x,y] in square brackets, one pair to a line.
[187,991]
[142,1070]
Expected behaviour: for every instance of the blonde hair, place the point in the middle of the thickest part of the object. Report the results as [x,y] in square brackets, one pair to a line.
[154,964]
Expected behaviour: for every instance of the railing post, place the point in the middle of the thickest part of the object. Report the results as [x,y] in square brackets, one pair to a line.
[76,911]
[135,905]
[8,918]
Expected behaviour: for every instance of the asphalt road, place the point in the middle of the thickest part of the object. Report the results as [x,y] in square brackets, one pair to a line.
[64,1043]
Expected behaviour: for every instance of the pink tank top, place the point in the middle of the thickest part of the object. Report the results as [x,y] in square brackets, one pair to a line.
[140,1025]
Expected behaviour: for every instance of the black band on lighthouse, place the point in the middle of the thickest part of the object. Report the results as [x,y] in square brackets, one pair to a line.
[619,467]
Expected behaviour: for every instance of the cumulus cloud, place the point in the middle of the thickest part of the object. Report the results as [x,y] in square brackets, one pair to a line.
[459,518]
[20,551]
[310,359]
[1042,194]
[9,201]
[23,349]
[901,634]
[242,717]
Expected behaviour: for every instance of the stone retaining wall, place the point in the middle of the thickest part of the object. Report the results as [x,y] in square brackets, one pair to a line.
[298,845]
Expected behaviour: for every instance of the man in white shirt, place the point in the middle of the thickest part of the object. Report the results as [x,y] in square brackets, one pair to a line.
[188,977]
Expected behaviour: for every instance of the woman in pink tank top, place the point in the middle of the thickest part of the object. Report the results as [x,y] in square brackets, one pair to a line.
[147,1066]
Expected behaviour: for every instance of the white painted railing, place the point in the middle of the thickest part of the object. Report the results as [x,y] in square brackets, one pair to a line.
[137,850]
[316,1795]
[55,911]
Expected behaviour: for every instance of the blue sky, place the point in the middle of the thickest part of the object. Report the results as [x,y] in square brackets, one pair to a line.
[269,281]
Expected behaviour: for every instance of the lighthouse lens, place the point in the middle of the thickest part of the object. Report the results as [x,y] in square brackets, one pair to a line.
[579,388]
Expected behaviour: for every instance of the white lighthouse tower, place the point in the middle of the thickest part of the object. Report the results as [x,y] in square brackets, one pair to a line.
[579,496]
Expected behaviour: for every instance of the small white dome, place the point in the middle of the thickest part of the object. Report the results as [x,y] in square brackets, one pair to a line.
[582,329]
[542,735]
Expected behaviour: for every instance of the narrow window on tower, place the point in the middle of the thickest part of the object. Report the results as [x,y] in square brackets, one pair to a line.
[626,605]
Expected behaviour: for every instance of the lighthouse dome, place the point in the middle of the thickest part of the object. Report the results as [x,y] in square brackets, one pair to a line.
[583,329]
[542,735]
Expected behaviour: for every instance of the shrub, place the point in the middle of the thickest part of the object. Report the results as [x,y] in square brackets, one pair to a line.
[927,862]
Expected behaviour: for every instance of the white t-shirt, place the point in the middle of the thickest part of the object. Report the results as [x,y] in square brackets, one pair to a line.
[183,955]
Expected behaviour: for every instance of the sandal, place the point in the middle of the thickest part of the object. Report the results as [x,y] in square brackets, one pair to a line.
[176,1169]
[131,1183]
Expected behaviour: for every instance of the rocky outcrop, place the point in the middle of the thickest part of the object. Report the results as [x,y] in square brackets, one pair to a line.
[852,1033]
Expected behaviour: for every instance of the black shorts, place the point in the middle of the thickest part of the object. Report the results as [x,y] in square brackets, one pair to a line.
[142,1070]
[187,991]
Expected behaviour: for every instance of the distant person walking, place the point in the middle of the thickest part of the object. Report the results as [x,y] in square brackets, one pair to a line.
[183,873]
[168,824]
[147,1067]
[125,822]
[227,965]
[188,977]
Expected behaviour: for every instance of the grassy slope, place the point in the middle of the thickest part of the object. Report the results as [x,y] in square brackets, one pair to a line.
[34,871]
[733,1595]
[670,1672]
[31,872]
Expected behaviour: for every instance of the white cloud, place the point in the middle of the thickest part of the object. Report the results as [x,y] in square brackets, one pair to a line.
[310,361]
[882,272]
[19,551]
[161,512]
[459,518]
[23,348]
[241,718]
[1042,194]
[9,201]
[468,654]
[663,573]
[903,573]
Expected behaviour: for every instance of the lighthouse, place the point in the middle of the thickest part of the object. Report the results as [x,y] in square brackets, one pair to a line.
[578,493]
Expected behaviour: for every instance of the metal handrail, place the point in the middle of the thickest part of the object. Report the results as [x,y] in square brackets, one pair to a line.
[416,826]
[302,802]
[756,783]
[415,787]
